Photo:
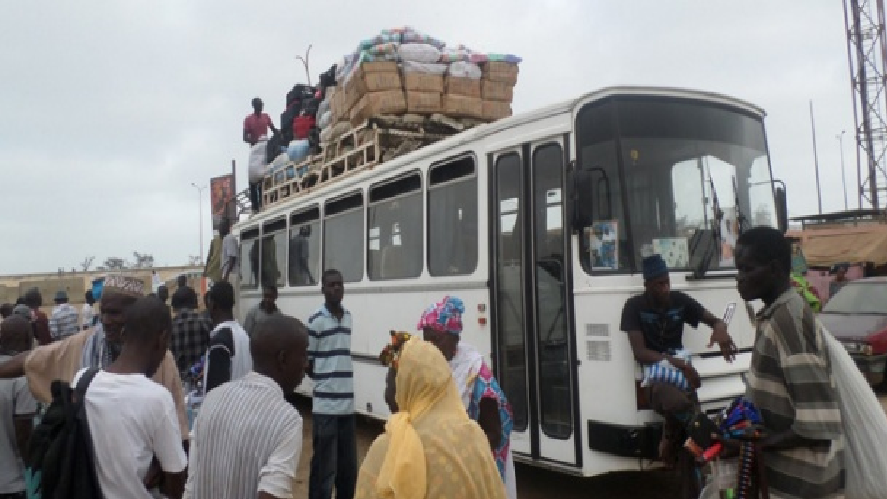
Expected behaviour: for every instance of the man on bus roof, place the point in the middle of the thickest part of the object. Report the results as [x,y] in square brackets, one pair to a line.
[654,322]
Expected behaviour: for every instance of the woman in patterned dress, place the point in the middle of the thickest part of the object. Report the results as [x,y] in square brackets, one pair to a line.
[430,448]
[483,398]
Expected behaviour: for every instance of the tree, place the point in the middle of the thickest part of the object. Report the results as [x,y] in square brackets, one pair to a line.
[143,260]
[87,263]
[114,263]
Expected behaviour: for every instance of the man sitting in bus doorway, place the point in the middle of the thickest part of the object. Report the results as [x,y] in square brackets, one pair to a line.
[655,322]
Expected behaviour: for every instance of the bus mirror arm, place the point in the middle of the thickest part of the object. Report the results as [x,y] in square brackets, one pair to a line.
[781,205]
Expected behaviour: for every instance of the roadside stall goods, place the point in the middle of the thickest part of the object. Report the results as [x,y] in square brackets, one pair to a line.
[398,91]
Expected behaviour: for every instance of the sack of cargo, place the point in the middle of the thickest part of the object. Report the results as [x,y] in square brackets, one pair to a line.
[449,55]
[421,67]
[326,119]
[464,69]
[411,35]
[298,150]
[257,160]
[506,58]
[383,49]
[419,52]
[385,36]
[324,105]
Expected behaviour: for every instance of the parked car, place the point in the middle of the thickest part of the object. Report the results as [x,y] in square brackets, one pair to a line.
[857,317]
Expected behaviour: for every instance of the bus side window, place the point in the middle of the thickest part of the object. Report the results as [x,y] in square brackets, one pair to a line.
[452,218]
[273,253]
[342,236]
[394,229]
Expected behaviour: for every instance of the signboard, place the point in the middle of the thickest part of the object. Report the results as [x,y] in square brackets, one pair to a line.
[221,195]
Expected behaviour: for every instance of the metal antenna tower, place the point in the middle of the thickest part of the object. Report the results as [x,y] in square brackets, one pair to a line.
[867,55]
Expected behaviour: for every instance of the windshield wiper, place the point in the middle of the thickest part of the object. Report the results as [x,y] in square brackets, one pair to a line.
[711,250]
[740,218]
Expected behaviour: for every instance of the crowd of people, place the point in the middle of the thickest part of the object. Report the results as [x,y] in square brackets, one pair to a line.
[450,430]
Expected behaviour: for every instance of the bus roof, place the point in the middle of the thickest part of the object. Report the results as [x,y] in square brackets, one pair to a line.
[482,131]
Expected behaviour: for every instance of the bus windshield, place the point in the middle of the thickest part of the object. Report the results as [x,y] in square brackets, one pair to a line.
[676,178]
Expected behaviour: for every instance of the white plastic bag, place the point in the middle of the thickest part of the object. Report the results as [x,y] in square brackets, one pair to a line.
[463,69]
[865,426]
[419,52]
[326,119]
[257,156]
[724,476]
[421,67]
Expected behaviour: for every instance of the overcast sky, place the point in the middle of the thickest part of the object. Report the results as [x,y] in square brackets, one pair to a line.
[111,109]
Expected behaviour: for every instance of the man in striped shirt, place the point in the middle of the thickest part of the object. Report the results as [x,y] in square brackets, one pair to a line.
[64,320]
[790,379]
[239,452]
[334,462]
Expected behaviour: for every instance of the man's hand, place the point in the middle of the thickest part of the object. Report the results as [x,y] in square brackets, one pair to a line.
[720,336]
[689,372]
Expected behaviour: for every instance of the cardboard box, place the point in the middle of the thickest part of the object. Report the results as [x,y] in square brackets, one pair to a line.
[424,102]
[496,110]
[459,106]
[496,91]
[337,106]
[379,67]
[363,82]
[465,87]
[423,82]
[376,103]
[500,71]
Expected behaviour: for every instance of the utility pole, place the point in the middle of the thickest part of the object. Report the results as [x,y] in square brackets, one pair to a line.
[200,213]
[815,159]
[843,175]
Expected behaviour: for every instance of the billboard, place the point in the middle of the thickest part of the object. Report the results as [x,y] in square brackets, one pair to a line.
[222,198]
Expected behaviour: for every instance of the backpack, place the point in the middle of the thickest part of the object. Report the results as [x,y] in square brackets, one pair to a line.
[61,455]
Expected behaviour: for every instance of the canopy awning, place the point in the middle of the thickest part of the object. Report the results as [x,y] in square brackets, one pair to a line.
[826,247]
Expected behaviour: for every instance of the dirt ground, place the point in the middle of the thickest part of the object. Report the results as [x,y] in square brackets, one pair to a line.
[532,483]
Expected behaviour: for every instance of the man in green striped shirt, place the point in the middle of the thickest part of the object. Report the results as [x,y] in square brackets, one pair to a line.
[790,378]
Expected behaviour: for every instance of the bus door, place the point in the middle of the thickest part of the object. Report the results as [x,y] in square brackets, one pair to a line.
[531,307]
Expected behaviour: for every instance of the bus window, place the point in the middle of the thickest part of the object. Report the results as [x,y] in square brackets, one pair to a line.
[273,253]
[452,218]
[605,245]
[304,255]
[249,275]
[342,235]
[394,229]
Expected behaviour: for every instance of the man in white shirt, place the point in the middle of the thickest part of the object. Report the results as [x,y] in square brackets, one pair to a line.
[230,256]
[239,452]
[132,419]
[228,357]
[63,321]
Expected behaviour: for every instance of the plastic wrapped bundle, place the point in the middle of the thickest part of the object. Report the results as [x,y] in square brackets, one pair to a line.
[510,59]
[419,67]
[298,150]
[419,52]
[411,35]
[449,54]
[464,69]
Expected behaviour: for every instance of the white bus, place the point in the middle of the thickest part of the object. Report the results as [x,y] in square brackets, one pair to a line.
[539,223]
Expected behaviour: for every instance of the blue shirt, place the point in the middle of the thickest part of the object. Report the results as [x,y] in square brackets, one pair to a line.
[329,348]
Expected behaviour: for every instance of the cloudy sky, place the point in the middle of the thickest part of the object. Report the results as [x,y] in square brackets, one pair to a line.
[111,109]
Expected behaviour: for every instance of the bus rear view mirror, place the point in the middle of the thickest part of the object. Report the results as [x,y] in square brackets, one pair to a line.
[781,206]
[583,198]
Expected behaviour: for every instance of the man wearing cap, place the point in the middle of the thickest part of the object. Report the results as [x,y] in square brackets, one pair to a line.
[654,322]
[64,318]
[96,347]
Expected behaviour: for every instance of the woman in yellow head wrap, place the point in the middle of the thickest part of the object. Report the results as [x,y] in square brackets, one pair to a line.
[430,449]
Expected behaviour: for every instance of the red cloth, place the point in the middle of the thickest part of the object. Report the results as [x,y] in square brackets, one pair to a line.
[256,125]
[301,126]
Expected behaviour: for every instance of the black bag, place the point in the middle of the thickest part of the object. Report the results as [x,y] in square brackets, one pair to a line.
[310,107]
[61,454]
[272,149]
[286,120]
[299,92]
